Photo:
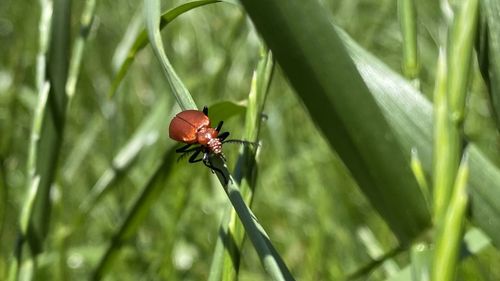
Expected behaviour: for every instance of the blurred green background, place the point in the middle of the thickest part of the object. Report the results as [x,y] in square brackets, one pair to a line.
[317,218]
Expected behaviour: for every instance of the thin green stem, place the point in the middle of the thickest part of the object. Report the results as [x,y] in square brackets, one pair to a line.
[408,23]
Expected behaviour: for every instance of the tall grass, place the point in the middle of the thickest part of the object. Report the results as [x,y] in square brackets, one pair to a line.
[356,175]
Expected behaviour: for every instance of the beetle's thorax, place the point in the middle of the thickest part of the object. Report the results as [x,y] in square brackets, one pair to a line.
[208,137]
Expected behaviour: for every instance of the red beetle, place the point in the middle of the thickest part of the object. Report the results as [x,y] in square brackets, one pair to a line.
[193,128]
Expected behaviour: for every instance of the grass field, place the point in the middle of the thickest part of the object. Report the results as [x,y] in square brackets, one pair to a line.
[377,123]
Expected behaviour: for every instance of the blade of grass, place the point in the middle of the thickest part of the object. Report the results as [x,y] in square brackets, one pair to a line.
[410,114]
[408,23]
[137,213]
[141,40]
[324,77]
[441,160]
[449,233]
[475,241]
[225,264]
[271,260]
[449,139]
[152,16]
[51,131]
[489,52]
[78,48]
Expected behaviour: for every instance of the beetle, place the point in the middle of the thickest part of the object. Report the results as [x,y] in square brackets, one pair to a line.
[193,127]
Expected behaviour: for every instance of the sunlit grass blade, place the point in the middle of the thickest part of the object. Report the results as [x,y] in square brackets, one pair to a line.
[149,195]
[459,57]
[489,52]
[271,260]
[450,230]
[418,171]
[340,104]
[443,168]
[410,114]
[225,263]
[142,39]
[475,241]
[152,16]
[421,257]
[78,48]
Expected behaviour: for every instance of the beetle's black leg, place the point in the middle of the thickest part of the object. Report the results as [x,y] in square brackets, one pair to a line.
[193,159]
[223,136]
[205,110]
[183,149]
[214,169]
[219,126]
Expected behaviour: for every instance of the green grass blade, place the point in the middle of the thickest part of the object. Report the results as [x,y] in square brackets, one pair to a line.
[152,16]
[408,22]
[410,114]
[269,257]
[142,39]
[442,165]
[225,264]
[449,232]
[78,47]
[137,213]
[474,240]
[51,131]
[489,52]
[316,62]
[459,57]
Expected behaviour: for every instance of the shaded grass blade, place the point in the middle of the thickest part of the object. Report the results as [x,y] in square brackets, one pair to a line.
[137,213]
[51,132]
[488,51]
[410,114]
[316,62]
[142,39]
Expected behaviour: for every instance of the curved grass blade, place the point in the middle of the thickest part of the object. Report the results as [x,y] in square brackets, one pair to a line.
[181,93]
[142,39]
[137,213]
[317,65]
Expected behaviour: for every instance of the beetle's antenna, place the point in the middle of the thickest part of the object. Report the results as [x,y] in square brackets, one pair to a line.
[242,142]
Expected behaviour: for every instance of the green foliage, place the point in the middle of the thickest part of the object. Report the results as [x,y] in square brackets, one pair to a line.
[90,184]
